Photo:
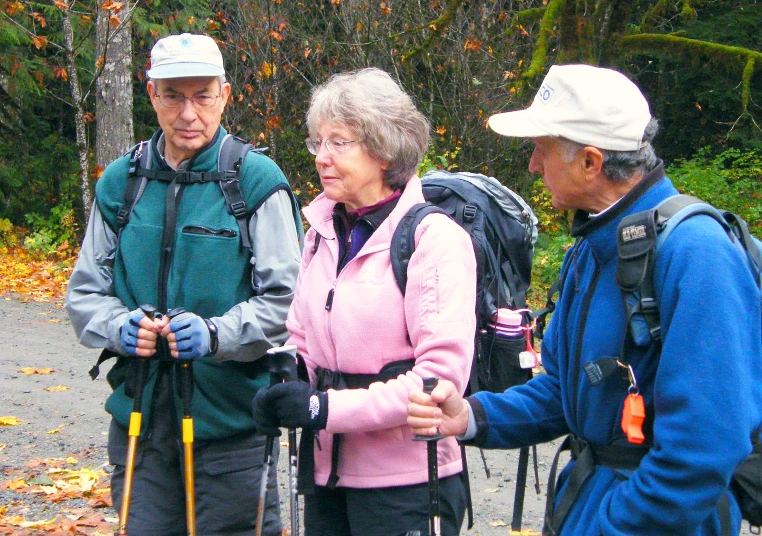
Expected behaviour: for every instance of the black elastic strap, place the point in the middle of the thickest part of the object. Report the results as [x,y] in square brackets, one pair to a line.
[586,457]
[521,482]
[231,190]
[105,356]
[467,485]
[723,512]
[333,477]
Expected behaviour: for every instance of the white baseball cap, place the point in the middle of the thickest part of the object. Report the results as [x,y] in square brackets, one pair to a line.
[589,105]
[185,56]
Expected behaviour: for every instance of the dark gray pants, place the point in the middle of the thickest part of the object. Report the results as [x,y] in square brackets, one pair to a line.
[396,511]
[227,480]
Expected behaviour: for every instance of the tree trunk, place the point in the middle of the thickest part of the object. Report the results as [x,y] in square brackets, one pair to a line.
[79,111]
[113,90]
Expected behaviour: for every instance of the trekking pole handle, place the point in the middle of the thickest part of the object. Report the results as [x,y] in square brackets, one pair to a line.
[428,386]
[282,366]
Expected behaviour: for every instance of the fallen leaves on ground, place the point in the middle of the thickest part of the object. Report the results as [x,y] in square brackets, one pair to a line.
[81,494]
[9,421]
[31,370]
[37,277]
[56,388]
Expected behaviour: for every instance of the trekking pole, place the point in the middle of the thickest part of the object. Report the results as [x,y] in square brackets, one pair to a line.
[133,432]
[288,373]
[435,518]
[186,392]
[282,365]
[521,481]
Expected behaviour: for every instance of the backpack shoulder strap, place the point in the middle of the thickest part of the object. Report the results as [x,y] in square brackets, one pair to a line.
[140,160]
[403,240]
[639,236]
[233,151]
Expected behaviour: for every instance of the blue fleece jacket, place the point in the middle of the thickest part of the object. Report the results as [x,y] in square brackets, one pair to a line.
[703,390]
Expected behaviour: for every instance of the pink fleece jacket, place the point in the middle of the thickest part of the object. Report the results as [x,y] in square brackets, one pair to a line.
[368,326]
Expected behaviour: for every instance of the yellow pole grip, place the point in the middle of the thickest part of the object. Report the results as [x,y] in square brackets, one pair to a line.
[187,430]
[135,419]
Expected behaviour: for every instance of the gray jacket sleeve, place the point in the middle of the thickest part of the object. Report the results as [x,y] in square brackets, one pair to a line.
[252,327]
[96,314]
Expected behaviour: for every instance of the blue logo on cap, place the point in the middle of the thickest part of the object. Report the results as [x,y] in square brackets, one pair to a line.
[545,93]
[184,42]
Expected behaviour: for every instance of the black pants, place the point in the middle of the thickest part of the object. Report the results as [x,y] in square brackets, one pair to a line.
[393,511]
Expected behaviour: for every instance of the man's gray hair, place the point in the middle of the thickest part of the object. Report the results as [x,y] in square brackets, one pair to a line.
[374,107]
[618,166]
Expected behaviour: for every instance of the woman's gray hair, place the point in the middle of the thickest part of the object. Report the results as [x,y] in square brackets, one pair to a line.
[619,166]
[374,107]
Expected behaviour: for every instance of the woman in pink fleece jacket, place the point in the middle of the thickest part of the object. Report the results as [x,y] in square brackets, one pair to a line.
[365,345]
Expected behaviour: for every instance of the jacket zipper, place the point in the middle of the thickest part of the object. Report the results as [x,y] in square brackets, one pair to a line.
[329,299]
[203,230]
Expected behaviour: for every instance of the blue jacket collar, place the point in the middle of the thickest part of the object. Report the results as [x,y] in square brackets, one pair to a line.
[600,231]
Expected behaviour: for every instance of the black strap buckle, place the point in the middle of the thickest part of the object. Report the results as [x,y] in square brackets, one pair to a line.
[238,209]
[469,212]
[122,217]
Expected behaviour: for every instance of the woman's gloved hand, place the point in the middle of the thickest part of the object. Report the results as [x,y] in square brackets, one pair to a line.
[289,405]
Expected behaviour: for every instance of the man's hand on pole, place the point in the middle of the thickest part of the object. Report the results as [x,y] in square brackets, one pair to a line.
[444,410]
[188,336]
[139,333]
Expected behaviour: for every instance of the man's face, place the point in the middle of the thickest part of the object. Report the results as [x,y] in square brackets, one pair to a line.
[561,174]
[187,127]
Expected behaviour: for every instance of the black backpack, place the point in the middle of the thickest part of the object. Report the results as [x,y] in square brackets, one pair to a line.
[503,230]
[638,239]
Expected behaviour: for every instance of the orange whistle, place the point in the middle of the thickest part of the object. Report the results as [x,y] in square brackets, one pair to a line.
[633,414]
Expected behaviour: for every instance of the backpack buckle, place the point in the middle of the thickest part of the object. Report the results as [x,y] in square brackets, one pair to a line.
[238,209]
[122,218]
[469,213]
[648,305]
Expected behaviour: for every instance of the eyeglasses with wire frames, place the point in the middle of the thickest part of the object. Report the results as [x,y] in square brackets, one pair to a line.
[335,146]
[202,101]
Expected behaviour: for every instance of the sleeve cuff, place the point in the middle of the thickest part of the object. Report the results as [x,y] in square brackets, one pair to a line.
[470,432]
[476,433]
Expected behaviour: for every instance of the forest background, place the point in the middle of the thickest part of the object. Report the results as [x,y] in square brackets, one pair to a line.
[72,94]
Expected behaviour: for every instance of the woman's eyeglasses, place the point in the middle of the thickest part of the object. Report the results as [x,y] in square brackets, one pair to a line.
[336,147]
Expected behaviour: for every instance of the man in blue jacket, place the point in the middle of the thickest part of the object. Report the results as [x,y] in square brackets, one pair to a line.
[701,387]
[181,247]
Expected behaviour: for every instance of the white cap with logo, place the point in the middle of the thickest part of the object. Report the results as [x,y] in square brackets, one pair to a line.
[589,105]
[185,56]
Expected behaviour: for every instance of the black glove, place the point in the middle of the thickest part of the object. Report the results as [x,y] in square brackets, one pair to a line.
[290,405]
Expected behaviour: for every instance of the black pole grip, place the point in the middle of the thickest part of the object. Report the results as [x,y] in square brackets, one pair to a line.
[148,310]
[428,386]
[282,364]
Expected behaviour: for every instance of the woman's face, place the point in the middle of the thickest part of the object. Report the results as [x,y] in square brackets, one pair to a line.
[354,178]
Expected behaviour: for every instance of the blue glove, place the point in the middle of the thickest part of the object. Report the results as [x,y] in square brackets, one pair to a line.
[290,405]
[191,335]
[128,333]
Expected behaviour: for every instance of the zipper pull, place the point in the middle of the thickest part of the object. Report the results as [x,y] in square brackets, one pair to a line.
[329,301]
